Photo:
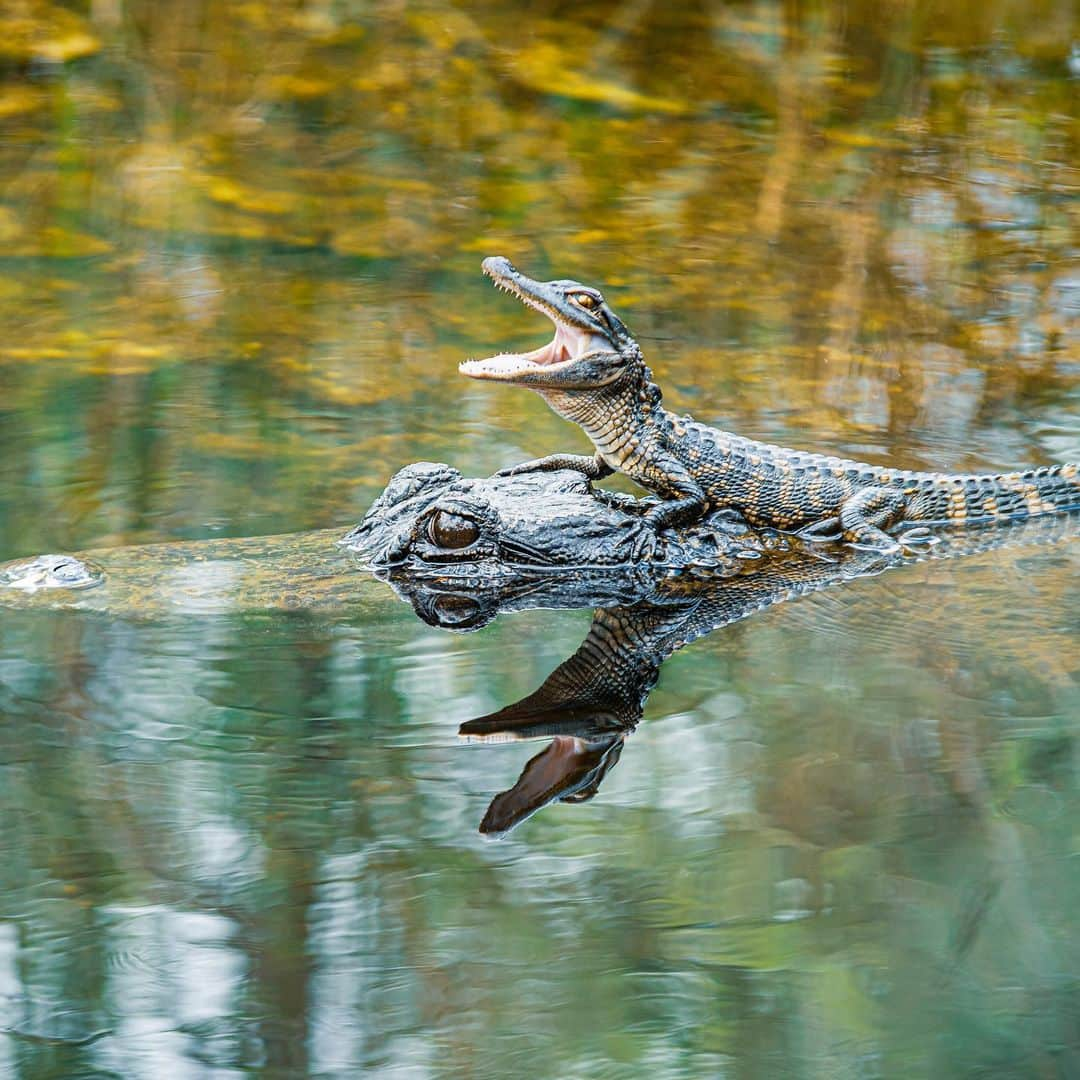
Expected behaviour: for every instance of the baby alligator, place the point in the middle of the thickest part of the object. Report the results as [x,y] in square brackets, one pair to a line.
[592,372]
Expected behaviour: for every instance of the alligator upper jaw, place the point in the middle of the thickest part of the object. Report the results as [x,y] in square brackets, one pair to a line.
[570,343]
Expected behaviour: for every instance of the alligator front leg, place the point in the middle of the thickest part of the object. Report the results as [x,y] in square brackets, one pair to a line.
[685,500]
[865,515]
[595,468]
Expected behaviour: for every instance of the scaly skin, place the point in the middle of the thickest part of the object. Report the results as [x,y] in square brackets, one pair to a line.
[593,373]
[463,550]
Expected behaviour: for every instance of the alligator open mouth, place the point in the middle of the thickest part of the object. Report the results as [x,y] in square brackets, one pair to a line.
[571,341]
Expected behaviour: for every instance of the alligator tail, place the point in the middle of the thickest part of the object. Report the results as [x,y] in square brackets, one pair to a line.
[966,500]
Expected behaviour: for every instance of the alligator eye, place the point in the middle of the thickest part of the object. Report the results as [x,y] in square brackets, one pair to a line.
[585,300]
[452,531]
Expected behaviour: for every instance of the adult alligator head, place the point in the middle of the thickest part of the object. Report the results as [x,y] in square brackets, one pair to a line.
[462,550]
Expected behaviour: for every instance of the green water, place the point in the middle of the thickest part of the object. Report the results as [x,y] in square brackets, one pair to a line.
[239,263]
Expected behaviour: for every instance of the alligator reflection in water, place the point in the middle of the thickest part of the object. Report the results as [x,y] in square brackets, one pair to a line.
[646,610]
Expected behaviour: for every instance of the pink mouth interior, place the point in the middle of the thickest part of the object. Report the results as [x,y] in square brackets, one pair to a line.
[568,343]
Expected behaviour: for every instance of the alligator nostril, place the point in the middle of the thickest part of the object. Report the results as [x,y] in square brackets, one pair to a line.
[395,552]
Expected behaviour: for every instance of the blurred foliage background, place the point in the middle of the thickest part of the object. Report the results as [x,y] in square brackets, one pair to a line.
[239,242]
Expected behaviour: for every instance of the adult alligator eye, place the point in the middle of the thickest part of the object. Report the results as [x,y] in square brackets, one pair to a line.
[452,531]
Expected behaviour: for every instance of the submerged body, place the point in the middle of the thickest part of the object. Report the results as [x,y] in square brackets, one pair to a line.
[227,576]
[593,373]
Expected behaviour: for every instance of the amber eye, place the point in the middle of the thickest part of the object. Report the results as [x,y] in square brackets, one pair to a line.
[585,300]
[452,531]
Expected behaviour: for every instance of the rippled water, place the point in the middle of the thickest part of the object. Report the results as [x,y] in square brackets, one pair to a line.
[239,253]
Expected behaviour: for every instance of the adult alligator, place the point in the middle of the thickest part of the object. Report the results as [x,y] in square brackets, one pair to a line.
[461,550]
[429,522]
[592,372]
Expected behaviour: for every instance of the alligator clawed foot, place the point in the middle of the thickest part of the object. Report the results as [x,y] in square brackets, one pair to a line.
[644,545]
[629,504]
[826,531]
[920,537]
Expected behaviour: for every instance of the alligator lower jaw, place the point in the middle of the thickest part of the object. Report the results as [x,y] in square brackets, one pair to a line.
[568,344]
